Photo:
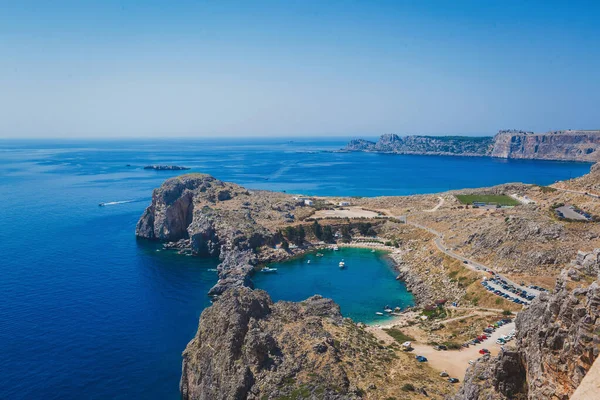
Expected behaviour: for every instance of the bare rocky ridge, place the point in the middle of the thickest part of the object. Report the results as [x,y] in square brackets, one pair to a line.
[208,217]
[576,145]
[248,347]
[557,343]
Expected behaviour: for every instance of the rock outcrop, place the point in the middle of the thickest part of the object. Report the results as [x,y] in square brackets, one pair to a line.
[576,145]
[557,145]
[247,348]
[556,344]
[199,214]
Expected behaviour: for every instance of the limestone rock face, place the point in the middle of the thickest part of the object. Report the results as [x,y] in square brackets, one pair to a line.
[248,347]
[198,214]
[558,145]
[556,344]
[170,213]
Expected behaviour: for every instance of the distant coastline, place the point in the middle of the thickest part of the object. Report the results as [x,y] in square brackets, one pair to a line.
[569,145]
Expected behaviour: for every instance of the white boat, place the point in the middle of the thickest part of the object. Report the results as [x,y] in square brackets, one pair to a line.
[388,310]
[267,269]
[379,313]
[335,248]
[342,264]
[319,254]
[308,262]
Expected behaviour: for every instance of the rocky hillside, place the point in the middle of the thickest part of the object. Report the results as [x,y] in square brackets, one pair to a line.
[589,183]
[248,347]
[199,214]
[557,343]
[556,145]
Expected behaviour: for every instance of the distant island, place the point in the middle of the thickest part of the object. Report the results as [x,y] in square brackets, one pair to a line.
[166,167]
[567,145]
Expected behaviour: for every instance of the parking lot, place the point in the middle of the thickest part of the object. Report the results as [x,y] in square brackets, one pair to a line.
[510,291]
[570,212]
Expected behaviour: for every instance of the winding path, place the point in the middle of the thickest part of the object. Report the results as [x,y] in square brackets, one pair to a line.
[438,205]
[593,195]
[469,263]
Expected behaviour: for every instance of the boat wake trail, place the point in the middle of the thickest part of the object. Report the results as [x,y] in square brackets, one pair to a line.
[114,203]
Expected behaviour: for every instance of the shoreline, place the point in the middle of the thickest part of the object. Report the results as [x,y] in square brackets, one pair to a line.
[389,320]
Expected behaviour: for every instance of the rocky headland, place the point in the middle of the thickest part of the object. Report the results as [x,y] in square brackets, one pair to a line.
[571,145]
[434,145]
[248,347]
[199,214]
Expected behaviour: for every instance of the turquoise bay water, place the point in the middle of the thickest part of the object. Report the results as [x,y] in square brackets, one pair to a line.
[87,311]
[366,285]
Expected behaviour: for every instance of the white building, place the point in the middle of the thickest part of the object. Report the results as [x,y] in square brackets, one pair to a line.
[343,203]
[308,202]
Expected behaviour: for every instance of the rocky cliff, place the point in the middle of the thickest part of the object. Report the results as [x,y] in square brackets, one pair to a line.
[573,145]
[199,214]
[557,342]
[248,347]
[557,145]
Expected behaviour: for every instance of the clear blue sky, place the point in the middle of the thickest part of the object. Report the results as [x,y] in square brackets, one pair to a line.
[214,68]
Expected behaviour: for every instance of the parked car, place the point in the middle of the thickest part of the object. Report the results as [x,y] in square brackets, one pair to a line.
[453,380]
[421,359]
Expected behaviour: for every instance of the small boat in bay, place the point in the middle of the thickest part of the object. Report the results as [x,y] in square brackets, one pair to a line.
[335,248]
[379,313]
[308,262]
[267,269]
[342,264]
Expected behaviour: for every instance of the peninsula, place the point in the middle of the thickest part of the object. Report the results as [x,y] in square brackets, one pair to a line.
[567,145]
[472,258]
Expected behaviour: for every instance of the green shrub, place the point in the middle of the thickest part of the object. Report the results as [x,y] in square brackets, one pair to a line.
[408,387]
[398,335]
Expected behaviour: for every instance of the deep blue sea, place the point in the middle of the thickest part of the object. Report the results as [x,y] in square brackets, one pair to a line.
[86,311]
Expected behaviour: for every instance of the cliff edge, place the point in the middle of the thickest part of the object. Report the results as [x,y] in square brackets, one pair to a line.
[574,145]
[199,214]
[567,145]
